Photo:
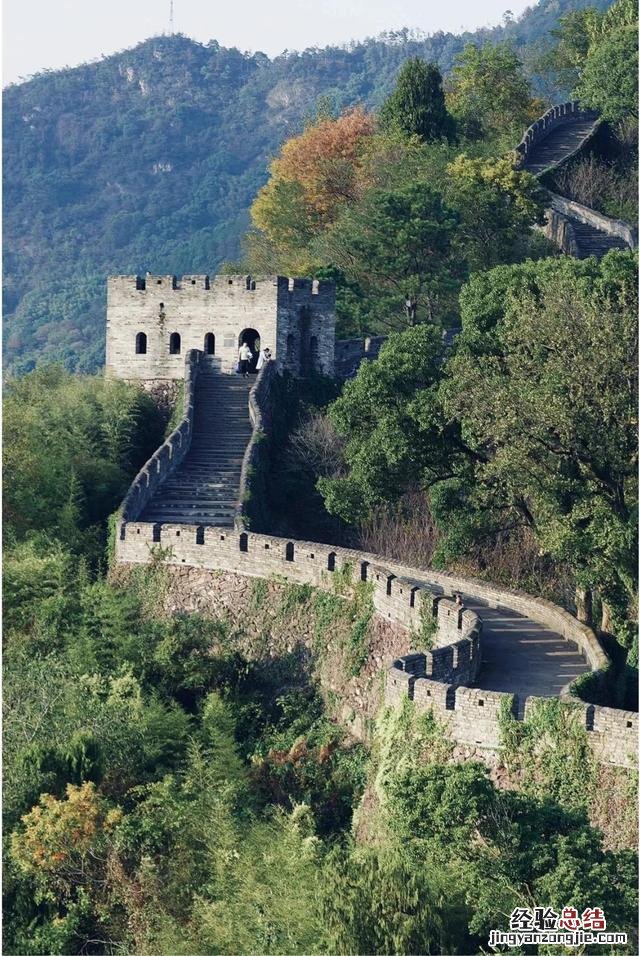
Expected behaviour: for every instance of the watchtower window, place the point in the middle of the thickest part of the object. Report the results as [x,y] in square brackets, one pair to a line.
[210,344]
[290,347]
[141,343]
[251,284]
[174,343]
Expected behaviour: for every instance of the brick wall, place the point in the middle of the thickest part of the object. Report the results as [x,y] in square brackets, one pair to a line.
[295,318]
[471,715]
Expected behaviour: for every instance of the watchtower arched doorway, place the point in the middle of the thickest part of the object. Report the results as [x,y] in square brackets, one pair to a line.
[209,344]
[252,339]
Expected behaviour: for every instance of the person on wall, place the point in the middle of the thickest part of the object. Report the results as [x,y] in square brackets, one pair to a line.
[265,355]
[245,356]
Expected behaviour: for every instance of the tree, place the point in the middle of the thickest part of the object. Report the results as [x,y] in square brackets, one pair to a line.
[398,245]
[557,447]
[609,80]
[417,106]
[375,901]
[314,176]
[573,35]
[388,417]
[497,205]
[489,96]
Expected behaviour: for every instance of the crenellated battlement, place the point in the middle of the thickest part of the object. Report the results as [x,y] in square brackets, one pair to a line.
[150,283]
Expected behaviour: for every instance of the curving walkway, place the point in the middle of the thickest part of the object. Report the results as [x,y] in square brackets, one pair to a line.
[523,657]
[560,143]
[547,144]
[519,655]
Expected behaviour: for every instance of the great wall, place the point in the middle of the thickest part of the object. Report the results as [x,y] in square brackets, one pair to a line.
[194,502]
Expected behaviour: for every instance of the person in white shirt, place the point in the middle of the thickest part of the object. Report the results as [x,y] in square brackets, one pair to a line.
[245,356]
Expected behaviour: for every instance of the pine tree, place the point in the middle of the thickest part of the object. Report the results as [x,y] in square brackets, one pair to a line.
[417,104]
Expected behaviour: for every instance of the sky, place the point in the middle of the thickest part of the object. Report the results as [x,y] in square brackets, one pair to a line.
[41,34]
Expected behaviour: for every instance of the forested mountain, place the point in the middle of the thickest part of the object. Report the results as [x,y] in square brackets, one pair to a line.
[150,158]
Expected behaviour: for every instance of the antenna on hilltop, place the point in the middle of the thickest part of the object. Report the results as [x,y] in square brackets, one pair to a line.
[171,18]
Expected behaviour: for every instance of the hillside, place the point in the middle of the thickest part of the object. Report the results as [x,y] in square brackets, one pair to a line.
[149,159]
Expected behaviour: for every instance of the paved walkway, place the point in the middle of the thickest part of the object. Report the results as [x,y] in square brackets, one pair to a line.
[560,143]
[523,657]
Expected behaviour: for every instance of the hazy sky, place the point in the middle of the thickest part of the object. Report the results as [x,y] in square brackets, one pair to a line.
[56,33]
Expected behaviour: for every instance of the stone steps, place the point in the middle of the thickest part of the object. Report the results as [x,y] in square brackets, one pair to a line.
[593,242]
[205,487]
[562,141]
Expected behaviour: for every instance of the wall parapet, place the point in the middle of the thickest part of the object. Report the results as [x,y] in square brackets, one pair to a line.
[473,716]
[611,227]
[554,116]
[170,454]
[350,353]
[255,460]
[308,562]
[403,596]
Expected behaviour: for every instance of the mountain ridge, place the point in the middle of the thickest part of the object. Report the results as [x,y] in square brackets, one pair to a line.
[149,159]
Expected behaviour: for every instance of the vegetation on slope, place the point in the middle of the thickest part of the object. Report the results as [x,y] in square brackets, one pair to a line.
[163,793]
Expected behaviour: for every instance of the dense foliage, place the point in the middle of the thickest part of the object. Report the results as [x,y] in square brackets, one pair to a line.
[149,160]
[71,447]
[180,783]
[398,207]
[509,433]
[165,794]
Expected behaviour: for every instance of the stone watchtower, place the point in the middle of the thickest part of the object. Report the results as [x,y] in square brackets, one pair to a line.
[153,322]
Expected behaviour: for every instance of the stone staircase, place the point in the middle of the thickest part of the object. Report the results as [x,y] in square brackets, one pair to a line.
[205,487]
[558,145]
[594,242]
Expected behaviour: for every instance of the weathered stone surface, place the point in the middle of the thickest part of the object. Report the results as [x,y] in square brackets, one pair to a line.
[295,318]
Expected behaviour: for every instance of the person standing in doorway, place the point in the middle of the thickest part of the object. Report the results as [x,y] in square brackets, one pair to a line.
[245,355]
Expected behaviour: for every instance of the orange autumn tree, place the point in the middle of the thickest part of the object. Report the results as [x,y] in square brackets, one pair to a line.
[63,843]
[312,179]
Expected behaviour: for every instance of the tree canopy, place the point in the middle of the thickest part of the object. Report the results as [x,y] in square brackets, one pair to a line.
[417,105]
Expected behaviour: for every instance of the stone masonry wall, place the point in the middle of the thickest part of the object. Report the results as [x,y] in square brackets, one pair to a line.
[295,318]
[350,353]
[472,715]
[172,451]
[251,508]
[398,596]
[539,130]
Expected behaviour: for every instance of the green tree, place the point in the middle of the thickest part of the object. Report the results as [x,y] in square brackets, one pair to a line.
[375,901]
[389,417]
[497,207]
[557,448]
[573,37]
[72,445]
[398,244]
[489,95]
[417,105]
[609,79]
